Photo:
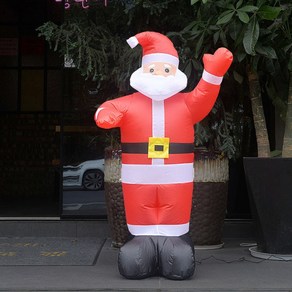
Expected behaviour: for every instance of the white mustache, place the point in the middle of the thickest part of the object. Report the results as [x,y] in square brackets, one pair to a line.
[158,87]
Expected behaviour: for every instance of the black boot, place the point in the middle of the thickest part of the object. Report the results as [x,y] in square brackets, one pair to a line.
[176,257]
[138,258]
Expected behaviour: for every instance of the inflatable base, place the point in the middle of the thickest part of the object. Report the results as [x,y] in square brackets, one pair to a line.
[168,256]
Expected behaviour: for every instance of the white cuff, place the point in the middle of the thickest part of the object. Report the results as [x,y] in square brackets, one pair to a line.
[133,42]
[210,78]
[97,112]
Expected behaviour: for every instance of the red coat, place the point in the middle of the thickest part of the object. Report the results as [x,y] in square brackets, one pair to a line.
[158,191]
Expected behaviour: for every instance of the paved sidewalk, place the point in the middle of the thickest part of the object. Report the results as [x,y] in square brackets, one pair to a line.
[231,268]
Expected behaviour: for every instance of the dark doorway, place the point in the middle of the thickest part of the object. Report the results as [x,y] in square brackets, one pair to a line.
[30,111]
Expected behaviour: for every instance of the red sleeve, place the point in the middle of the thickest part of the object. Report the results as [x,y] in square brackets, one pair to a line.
[110,114]
[201,100]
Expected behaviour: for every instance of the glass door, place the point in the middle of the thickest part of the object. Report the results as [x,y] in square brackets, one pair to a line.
[30,111]
[82,150]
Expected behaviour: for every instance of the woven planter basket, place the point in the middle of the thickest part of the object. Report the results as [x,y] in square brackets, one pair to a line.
[208,212]
[114,197]
[208,207]
[209,199]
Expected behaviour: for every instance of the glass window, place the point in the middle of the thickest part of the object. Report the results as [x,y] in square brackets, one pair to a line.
[83,166]
[9,90]
[54,59]
[32,11]
[79,94]
[29,177]
[32,49]
[8,45]
[32,90]
[54,90]
[9,11]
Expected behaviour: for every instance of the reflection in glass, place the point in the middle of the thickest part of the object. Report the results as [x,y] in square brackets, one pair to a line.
[87,175]
[83,167]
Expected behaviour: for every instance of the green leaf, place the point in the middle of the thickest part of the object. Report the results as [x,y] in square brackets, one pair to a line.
[225,18]
[290,64]
[266,51]
[240,56]
[194,2]
[204,1]
[251,36]
[276,153]
[260,3]
[248,8]
[235,29]
[230,6]
[216,37]
[269,12]
[190,26]
[223,38]
[225,13]
[199,45]
[188,68]
[243,16]
[237,77]
[270,67]
[287,48]
[238,4]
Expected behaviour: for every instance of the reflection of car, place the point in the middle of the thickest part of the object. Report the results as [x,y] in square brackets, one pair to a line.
[88,174]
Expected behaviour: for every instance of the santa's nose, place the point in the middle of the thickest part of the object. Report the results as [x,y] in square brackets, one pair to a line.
[158,72]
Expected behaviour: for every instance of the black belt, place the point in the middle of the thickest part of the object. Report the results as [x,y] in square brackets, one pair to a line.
[142,148]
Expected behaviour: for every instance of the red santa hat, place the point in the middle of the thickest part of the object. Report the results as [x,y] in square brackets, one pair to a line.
[156,47]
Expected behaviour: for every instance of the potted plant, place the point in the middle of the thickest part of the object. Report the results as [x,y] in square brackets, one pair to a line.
[214,147]
[258,34]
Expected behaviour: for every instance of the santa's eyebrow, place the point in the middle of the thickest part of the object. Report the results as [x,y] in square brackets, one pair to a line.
[167,66]
[151,66]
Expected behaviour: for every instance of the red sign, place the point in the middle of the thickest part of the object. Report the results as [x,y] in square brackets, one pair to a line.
[84,3]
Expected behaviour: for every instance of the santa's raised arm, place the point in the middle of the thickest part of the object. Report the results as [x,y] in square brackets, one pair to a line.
[158,49]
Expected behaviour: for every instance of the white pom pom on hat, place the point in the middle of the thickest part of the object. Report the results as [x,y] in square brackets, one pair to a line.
[156,47]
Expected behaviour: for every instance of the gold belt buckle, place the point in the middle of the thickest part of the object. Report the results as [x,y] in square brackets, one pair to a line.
[158,147]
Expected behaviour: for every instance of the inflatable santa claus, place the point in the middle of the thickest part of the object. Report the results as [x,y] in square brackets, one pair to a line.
[157,136]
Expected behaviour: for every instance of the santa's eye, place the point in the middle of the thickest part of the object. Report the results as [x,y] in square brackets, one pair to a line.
[151,70]
[166,70]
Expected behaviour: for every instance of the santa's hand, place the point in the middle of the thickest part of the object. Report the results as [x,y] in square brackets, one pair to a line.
[218,63]
[107,119]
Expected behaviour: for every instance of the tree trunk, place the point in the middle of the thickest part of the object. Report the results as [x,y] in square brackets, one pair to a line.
[287,143]
[258,115]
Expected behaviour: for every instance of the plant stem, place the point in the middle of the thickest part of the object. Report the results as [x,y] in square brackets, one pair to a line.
[287,143]
[258,114]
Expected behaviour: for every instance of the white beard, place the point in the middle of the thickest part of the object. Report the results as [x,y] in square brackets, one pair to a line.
[158,87]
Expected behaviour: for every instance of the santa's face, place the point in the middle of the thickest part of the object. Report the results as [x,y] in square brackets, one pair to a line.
[160,68]
[158,80]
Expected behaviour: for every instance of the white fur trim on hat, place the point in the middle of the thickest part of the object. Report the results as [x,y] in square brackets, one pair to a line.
[160,57]
[133,42]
